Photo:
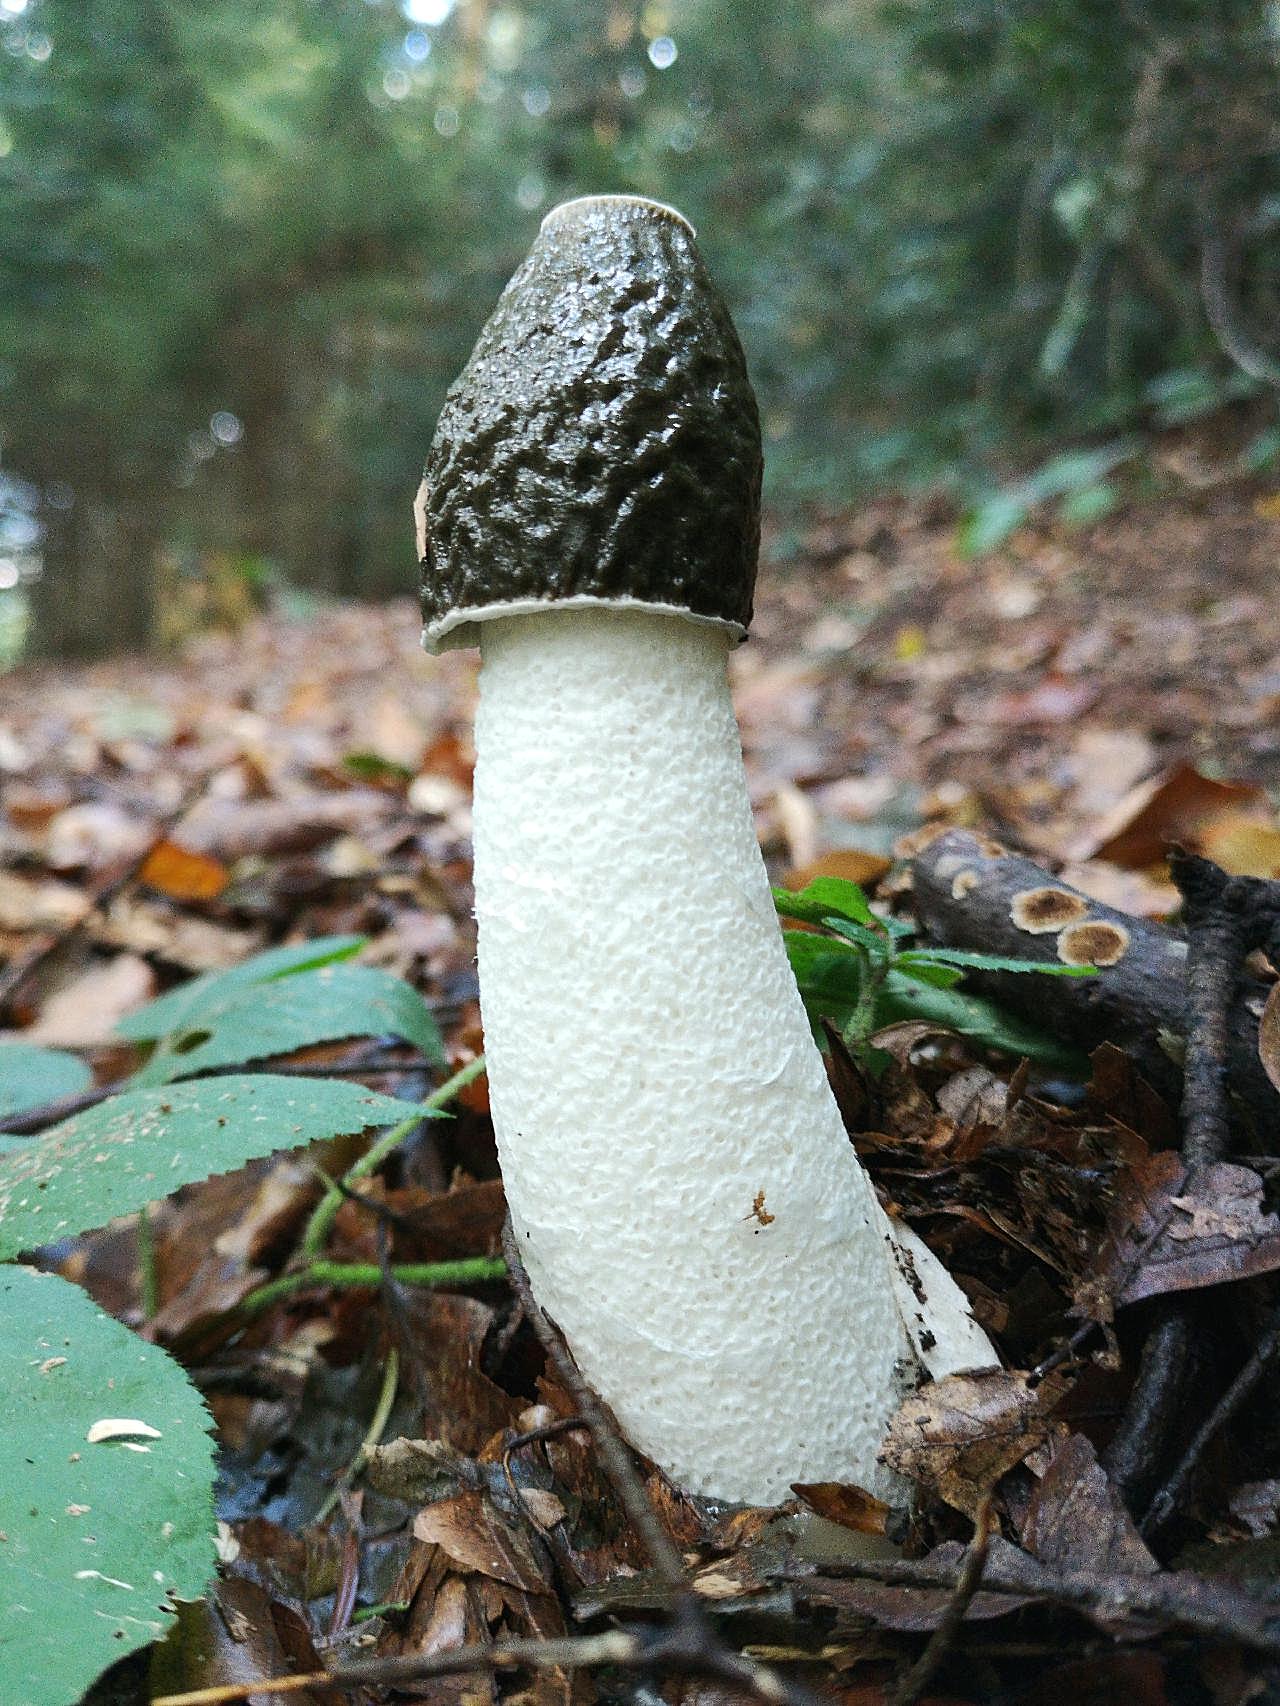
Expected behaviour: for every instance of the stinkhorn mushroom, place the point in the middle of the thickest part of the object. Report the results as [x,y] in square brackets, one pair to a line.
[686,1201]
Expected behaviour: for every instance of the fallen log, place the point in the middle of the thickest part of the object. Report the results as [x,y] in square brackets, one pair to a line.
[972,893]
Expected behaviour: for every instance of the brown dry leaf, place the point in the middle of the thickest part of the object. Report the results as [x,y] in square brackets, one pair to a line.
[958,1436]
[234,829]
[239,1633]
[153,927]
[1174,1232]
[1173,807]
[95,834]
[850,863]
[1244,845]
[850,1506]
[183,874]
[1076,1520]
[1269,1036]
[476,1537]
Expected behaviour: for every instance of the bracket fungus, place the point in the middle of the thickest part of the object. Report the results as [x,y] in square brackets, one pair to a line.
[688,1206]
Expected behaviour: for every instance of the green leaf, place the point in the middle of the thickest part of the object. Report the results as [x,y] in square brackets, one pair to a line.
[172,1011]
[96,1537]
[988,962]
[307,1007]
[142,1144]
[979,1020]
[872,942]
[829,976]
[1089,504]
[823,898]
[928,971]
[31,1076]
[987,526]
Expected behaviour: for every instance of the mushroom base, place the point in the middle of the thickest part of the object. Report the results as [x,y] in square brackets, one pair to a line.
[686,1200]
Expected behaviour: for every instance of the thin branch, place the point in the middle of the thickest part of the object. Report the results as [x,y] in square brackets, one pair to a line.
[468,1270]
[325,1211]
[1214,1609]
[614,1457]
[943,1638]
[1217,941]
[673,1651]
[1171,1494]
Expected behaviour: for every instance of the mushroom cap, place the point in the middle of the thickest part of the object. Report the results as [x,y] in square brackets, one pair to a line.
[602,444]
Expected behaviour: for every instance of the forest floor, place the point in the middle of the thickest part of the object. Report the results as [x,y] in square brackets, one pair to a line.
[1087,695]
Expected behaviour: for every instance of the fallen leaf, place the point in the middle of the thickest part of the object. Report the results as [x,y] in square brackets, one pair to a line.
[1171,1231]
[183,874]
[471,1532]
[839,1502]
[84,1013]
[959,1435]
[1171,807]
[1076,1520]
[849,863]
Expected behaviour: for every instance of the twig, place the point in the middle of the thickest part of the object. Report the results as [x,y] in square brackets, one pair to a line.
[614,1457]
[535,1436]
[1217,943]
[468,1270]
[1216,1610]
[668,1651]
[325,1211]
[1170,1495]
[373,1434]
[943,1638]
[1216,932]
[1137,1447]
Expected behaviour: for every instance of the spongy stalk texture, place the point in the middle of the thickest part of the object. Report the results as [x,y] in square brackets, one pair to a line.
[685,1198]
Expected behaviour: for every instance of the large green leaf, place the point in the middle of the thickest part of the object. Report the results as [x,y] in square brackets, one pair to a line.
[171,1012]
[96,1536]
[319,1006]
[31,1076]
[142,1144]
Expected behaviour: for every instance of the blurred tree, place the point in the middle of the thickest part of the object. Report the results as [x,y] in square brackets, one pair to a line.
[246,247]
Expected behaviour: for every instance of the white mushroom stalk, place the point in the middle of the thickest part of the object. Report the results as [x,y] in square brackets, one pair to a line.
[689,1208]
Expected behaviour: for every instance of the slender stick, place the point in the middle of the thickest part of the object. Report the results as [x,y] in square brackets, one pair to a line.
[922,1672]
[325,1211]
[373,1433]
[614,1456]
[1170,1495]
[469,1270]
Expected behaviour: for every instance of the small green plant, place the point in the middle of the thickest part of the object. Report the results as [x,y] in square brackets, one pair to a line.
[106,1493]
[855,968]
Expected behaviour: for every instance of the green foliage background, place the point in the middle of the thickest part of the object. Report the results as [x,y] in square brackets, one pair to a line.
[952,232]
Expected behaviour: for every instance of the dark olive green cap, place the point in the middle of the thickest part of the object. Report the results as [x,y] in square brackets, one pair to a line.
[602,444]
